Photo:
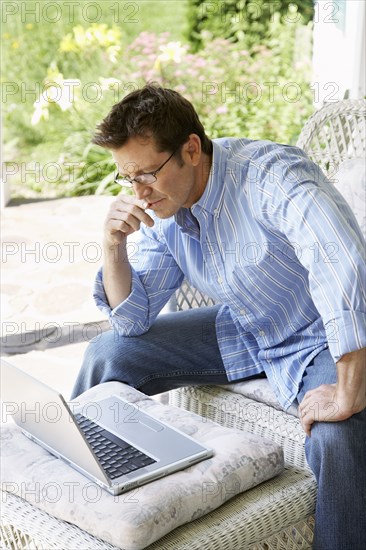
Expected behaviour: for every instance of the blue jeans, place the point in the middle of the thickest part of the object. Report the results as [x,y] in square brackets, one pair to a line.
[181,349]
[336,453]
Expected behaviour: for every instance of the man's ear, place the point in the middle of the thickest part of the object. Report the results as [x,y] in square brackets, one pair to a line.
[192,148]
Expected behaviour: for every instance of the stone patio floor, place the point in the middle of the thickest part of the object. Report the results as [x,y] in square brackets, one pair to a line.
[50,252]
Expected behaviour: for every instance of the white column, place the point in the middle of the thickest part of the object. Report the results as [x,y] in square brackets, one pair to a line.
[339,50]
[358,40]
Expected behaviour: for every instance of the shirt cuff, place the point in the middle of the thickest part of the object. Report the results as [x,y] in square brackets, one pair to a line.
[130,317]
[346,332]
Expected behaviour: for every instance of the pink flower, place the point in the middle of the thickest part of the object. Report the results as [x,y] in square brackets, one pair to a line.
[181,88]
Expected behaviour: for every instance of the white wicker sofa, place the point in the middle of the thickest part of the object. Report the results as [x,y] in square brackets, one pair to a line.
[276,514]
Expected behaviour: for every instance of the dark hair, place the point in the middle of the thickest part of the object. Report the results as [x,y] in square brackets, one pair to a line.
[152,111]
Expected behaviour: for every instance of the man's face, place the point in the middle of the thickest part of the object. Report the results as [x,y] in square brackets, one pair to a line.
[177,185]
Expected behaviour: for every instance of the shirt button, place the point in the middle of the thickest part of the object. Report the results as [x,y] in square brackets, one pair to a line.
[220,280]
[242,312]
[216,211]
[261,333]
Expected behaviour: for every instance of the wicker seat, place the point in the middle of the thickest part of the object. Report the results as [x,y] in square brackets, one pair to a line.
[276,514]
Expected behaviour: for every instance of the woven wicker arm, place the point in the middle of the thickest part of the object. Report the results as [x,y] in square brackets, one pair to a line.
[187,297]
[334,134]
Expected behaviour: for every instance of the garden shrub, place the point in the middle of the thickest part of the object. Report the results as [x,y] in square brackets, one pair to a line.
[261,93]
[247,21]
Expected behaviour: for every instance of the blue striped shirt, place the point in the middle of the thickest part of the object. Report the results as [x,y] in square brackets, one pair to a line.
[275,243]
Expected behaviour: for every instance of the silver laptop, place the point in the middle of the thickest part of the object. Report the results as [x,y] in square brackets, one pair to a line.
[110,441]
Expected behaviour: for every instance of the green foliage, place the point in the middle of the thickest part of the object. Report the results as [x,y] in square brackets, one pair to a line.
[54,49]
[261,93]
[87,169]
[247,21]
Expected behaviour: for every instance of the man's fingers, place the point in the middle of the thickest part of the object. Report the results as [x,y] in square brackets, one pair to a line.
[125,216]
[131,199]
[319,405]
[133,207]
[125,201]
[119,230]
[307,419]
[304,404]
[124,219]
[315,391]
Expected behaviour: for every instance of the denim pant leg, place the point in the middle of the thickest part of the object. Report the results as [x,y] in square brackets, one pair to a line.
[336,453]
[179,349]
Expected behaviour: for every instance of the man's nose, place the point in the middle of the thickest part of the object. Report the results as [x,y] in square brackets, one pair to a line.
[141,191]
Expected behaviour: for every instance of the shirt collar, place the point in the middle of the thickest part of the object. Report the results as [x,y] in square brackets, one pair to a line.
[211,199]
[187,222]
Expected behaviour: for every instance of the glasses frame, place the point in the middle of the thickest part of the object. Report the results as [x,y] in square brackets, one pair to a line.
[126,181]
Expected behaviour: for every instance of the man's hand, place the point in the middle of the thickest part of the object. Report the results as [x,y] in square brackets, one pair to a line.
[336,402]
[124,217]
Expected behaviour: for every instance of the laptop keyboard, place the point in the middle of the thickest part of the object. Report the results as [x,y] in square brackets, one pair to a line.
[115,455]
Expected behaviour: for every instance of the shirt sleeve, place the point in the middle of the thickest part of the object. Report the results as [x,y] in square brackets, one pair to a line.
[302,206]
[155,276]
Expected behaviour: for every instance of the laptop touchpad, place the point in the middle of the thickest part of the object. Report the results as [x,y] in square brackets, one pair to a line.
[123,416]
[150,423]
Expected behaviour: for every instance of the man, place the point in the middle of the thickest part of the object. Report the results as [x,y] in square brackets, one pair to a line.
[258,227]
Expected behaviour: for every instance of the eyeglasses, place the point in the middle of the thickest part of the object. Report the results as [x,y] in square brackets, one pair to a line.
[147,178]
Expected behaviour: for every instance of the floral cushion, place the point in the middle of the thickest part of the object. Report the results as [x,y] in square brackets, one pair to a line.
[260,390]
[141,516]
